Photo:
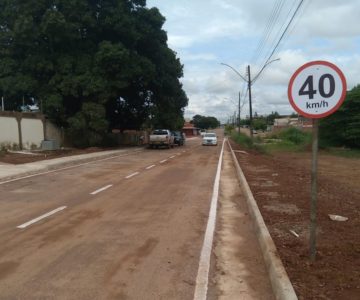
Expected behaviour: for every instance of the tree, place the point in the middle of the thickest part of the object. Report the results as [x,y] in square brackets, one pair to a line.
[205,122]
[259,124]
[70,55]
[270,118]
[343,127]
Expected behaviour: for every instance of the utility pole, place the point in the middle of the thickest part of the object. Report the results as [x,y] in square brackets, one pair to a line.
[2,103]
[239,115]
[249,87]
[249,82]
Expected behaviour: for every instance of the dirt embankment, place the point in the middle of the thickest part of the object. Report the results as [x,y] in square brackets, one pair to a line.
[281,186]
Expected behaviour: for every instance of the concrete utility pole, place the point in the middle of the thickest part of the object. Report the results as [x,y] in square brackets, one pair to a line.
[239,115]
[2,103]
[249,82]
[250,104]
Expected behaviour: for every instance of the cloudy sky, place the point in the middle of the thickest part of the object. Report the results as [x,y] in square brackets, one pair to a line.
[206,33]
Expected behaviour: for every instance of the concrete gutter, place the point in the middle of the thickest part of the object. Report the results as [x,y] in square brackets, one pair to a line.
[10,172]
[281,285]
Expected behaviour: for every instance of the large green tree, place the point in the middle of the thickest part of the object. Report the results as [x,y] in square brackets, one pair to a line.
[205,122]
[113,54]
[343,127]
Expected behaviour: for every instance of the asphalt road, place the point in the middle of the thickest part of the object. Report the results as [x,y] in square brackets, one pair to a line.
[131,227]
[126,228]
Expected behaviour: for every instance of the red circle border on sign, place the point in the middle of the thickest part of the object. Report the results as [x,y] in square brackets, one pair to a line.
[340,101]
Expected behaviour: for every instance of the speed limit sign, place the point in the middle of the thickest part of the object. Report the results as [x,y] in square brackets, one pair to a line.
[317,89]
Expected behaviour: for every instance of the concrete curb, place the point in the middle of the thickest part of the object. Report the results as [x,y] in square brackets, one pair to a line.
[281,285]
[32,169]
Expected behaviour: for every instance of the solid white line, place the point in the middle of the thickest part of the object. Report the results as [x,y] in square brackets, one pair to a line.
[41,217]
[132,175]
[172,156]
[101,189]
[163,161]
[149,167]
[204,263]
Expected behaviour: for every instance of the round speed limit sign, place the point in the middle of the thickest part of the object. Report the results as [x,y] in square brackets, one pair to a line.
[317,89]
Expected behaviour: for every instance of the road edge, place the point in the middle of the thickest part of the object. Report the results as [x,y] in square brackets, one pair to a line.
[52,165]
[280,282]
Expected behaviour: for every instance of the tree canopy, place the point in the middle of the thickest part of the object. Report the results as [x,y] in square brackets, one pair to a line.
[205,122]
[343,127]
[103,61]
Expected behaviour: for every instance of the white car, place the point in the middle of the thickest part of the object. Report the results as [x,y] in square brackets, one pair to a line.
[209,138]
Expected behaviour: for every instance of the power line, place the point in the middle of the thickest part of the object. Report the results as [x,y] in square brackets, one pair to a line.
[282,35]
[273,20]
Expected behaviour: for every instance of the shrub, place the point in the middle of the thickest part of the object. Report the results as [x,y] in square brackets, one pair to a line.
[295,136]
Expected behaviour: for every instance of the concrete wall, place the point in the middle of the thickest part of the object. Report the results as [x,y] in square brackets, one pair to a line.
[9,132]
[26,130]
[52,132]
[32,133]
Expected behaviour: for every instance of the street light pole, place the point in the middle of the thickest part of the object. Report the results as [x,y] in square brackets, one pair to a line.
[249,82]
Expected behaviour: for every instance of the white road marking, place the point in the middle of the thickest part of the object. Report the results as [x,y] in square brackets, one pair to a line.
[150,167]
[101,189]
[70,167]
[41,217]
[172,156]
[178,153]
[204,263]
[132,175]
[162,161]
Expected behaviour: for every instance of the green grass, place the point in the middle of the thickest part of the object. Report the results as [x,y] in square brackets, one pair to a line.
[291,139]
[242,139]
[344,152]
[288,140]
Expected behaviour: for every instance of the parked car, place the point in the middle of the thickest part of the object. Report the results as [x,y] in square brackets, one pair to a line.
[179,138]
[161,137]
[209,138]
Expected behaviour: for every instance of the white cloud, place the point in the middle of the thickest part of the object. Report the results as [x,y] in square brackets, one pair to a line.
[206,33]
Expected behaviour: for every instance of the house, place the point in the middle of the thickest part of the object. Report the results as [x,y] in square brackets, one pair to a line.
[286,122]
[190,130]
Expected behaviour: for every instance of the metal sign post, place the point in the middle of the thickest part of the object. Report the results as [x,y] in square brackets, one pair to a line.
[316,90]
[314,169]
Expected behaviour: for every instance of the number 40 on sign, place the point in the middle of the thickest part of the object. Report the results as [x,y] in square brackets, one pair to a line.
[317,89]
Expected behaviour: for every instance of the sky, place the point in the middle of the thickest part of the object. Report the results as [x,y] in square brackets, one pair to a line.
[241,33]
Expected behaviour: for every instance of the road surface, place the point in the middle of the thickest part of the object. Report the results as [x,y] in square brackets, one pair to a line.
[131,227]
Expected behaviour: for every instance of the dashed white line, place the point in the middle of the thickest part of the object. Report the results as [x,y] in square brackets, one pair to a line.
[150,167]
[162,161]
[101,189]
[132,175]
[69,167]
[41,217]
[172,156]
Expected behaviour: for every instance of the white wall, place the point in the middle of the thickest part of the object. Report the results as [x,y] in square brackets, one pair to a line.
[32,133]
[9,133]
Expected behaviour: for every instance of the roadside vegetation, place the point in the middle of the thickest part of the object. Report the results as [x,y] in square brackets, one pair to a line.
[339,134]
[290,139]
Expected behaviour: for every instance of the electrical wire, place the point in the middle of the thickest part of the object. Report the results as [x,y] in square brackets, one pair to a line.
[268,29]
[280,39]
